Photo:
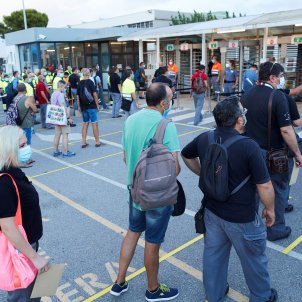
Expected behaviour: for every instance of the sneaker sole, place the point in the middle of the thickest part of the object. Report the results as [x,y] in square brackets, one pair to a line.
[118,294]
[162,299]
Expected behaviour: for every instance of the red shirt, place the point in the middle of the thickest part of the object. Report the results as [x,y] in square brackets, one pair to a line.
[197,74]
[39,88]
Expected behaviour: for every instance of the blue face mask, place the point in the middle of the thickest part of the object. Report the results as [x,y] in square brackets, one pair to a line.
[64,90]
[25,154]
[61,75]
[282,83]
[166,112]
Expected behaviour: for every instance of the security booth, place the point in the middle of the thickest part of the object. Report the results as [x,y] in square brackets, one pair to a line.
[247,40]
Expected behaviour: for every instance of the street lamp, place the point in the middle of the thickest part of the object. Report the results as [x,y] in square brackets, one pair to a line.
[24,16]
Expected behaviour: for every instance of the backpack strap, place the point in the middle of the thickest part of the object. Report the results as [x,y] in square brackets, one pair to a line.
[18,217]
[160,131]
[241,185]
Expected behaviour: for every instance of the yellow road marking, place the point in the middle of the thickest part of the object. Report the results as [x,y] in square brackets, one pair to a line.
[75,165]
[77,141]
[292,245]
[190,132]
[143,269]
[236,296]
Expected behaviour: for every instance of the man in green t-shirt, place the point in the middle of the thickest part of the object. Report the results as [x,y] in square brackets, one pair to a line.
[139,129]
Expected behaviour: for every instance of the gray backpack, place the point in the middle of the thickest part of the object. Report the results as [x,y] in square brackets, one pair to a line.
[154,178]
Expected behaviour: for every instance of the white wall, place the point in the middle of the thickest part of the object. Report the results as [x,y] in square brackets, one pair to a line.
[10,55]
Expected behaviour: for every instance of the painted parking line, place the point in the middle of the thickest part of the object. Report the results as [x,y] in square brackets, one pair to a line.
[76,166]
[292,245]
[235,295]
[143,269]
[78,141]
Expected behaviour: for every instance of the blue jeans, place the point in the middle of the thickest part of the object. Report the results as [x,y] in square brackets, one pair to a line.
[280,183]
[133,109]
[117,102]
[228,88]
[198,103]
[249,241]
[28,133]
[153,222]
[90,115]
[102,99]
[75,103]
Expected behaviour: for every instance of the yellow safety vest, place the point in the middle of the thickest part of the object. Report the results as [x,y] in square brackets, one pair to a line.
[55,82]
[29,90]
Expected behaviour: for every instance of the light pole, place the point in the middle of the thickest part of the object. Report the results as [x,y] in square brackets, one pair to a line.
[24,16]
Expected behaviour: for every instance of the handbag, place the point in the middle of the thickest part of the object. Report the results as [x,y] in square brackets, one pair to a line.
[55,114]
[199,219]
[126,104]
[16,270]
[180,205]
[277,158]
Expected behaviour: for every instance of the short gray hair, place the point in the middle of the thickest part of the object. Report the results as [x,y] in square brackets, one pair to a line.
[9,147]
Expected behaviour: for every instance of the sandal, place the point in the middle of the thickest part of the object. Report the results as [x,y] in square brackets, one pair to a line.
[84,146]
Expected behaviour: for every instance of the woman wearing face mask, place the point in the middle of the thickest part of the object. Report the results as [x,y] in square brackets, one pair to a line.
[58,98]
[13,148]
[230,79]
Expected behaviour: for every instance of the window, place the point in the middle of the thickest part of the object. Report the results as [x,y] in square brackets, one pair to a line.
[48,54]
[63,54]
[77,54]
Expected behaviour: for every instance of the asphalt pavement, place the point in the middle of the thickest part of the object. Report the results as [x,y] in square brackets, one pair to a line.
[85,216]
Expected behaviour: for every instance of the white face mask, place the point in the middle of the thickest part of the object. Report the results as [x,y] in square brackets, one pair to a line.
[227,65]
[170,63]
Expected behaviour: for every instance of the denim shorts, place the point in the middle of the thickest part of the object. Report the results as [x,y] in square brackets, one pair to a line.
[153,222]
[90,115]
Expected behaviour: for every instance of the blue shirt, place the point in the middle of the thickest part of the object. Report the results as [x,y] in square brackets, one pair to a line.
[230,75]
[249,79]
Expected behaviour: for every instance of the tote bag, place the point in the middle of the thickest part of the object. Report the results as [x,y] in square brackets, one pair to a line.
[55,114]
[16,270]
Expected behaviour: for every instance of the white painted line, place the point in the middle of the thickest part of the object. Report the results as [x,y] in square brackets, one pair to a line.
[183,117]
[113,182]
[300,133]
[190,213]
[205,121]
[109,143]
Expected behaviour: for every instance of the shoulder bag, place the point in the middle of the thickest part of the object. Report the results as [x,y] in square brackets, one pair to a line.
[55,114]
[16,270]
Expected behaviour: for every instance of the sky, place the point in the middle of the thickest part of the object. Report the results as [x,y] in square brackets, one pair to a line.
[62,12]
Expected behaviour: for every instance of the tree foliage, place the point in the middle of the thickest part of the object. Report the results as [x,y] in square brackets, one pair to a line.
[198,17]
[3,30]
[34,18]
[195,17]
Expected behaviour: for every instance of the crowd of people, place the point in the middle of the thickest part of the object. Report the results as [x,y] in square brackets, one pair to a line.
[248,132]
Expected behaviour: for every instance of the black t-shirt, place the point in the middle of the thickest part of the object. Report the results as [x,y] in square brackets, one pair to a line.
[29,199]
[114,81]
[74,80]
[91,88]
[293,108]
[245,158]
[255,100]
[163,79]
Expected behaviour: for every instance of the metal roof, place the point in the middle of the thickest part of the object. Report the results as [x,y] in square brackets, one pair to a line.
[275,19]
[46,34]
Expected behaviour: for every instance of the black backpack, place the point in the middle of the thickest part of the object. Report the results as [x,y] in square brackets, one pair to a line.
[214,178]
[86,98]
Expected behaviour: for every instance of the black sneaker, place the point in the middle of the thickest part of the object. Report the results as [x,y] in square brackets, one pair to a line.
[274,296]
[289,208]
[283,235]
[163,293]
[118,289]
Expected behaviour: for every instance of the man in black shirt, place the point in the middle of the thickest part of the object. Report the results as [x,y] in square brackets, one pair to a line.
[89,106]
[163,77]
[256,101]
[236,221]
[74,81]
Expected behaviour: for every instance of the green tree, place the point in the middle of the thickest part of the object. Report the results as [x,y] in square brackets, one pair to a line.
[227,15]
[34,18]
[3,30]
[195,17]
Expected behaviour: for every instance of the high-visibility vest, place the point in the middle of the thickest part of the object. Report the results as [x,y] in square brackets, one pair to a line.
[29,89]
[55,82]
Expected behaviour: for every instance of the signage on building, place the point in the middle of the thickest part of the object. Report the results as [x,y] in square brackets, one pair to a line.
[296,40]
[170,47]
[184,46]
[233,44]
[151,46]
[213,45]
[272,41]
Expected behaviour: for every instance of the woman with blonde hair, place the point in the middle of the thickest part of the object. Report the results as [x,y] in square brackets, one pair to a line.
[13,147]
